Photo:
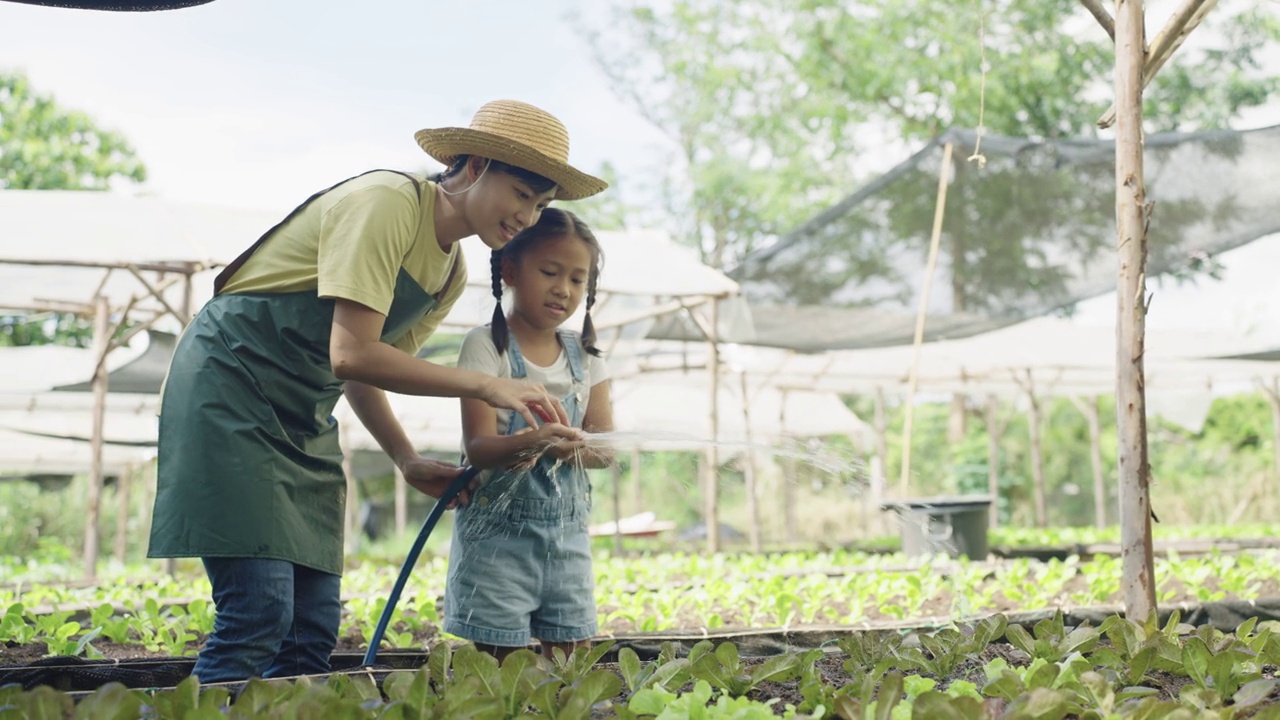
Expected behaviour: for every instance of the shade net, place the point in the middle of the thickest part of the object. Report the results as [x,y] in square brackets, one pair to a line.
[1030,232]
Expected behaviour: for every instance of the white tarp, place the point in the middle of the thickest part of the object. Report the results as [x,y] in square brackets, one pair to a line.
[642,267]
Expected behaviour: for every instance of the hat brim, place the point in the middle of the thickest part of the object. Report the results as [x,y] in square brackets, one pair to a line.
[446,144]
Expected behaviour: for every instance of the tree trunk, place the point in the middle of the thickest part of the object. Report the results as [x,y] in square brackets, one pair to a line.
[1137,565]
[93,506]
[993,458]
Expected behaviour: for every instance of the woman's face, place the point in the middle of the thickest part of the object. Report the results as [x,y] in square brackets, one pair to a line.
[500,205]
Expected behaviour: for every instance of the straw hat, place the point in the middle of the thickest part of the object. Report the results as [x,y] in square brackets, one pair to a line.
[518,134]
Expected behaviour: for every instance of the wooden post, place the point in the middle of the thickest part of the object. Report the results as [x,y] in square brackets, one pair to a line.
[123,481]
[749,470]
[101,344]
[993,458]
[1090,411]
[636,489]
[615,474]
[1273,398]
[1034,423]
[1137,565]
[934,242]
[879,459]
[788,476]
[711,492]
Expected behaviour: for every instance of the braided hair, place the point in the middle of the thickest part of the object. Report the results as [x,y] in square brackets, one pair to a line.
[553,224]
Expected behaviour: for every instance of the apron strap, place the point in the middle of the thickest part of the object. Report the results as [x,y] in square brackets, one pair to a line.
[448,282]
[227,272]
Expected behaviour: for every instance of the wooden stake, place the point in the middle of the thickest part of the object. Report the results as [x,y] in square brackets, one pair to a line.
[123,481]
[101,341]
[879,460]
[993,459]
[749,469]
[711,510]
[1034,423]
[934,241]
[1137,565]
[1273,398]
[636,489]
[1090,411]
[615,474]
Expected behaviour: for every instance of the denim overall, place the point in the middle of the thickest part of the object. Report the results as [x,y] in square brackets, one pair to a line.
[520,564]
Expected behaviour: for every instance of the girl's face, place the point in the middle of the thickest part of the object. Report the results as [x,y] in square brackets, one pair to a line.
[549,280]
[500,206]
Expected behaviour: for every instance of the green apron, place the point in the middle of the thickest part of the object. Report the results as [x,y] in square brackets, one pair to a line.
[249,461]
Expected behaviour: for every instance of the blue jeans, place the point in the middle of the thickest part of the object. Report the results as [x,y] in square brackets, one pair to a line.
[275,619]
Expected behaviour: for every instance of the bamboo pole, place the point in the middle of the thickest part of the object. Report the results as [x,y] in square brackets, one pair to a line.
[879,459]
[101,342]
[749,470]
[1035,421]
[1137,565]
[123,481]
[1272,392]
[636,489]
[711,497]
[1090,411]
[789,473]
[993,459]
[615,474]
[934,241]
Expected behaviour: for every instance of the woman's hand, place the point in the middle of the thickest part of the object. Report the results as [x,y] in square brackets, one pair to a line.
[432,477]
[524,398]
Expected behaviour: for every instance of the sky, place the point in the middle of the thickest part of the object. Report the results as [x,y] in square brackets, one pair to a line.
[259,103]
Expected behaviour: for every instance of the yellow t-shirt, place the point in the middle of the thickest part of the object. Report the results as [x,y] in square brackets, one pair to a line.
[351,243]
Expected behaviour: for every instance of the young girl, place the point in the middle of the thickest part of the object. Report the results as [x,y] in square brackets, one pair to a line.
[520,564]
[335,299]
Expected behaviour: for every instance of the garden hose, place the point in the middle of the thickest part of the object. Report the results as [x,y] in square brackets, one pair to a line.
[468,474]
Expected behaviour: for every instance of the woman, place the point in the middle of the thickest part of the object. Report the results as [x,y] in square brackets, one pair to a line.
[335,299]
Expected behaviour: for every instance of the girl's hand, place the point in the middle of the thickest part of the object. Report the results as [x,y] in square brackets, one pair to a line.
[566,450]
[524,398]
[432,477]
[561,441]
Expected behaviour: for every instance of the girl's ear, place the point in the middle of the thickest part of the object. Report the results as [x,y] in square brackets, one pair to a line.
[508,272]
[475,167]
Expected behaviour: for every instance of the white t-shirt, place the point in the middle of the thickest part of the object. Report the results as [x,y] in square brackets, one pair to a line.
[478,353]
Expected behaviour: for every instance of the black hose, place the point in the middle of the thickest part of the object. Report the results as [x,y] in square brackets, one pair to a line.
[371,656]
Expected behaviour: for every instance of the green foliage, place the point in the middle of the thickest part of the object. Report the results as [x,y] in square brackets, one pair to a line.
[773,103]
[46,147]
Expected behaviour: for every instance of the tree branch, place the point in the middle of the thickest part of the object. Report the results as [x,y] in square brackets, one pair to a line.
[1103,17]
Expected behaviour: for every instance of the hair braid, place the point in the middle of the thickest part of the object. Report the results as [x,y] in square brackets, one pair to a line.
[498,328]
[588,327]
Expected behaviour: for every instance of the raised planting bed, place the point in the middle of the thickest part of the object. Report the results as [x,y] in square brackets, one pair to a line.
[997,667]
